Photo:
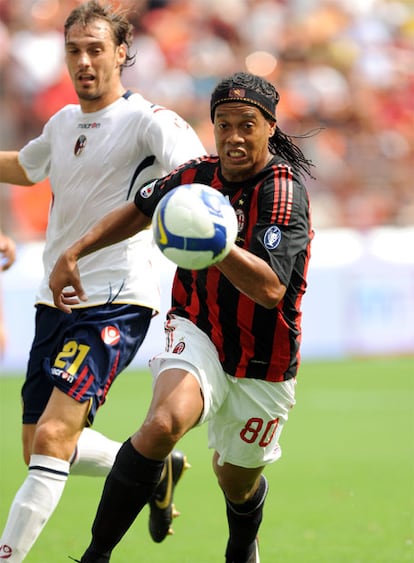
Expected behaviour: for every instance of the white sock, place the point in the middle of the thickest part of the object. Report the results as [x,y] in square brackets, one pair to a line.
[33,505]
[94,454]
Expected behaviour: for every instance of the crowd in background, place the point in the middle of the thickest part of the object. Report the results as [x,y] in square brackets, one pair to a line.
[344,70]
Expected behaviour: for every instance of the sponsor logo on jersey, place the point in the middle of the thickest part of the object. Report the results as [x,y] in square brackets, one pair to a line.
[110,335]
[80,145]
[272,237]
[62,374]
[179,349]
[93,125]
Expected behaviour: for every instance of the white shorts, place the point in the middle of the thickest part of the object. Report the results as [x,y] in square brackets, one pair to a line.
[245,416]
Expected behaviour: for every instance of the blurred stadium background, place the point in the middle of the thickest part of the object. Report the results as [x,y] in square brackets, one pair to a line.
[346,66]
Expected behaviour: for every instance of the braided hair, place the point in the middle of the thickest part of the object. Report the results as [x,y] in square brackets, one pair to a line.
[257,91]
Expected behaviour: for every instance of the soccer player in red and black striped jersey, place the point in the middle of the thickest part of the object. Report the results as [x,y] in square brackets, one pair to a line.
[233,330]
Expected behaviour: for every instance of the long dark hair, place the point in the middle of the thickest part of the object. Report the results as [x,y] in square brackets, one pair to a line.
[280,143]
[121,28]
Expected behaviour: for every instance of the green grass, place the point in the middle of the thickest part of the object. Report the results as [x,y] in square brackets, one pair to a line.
[343,491]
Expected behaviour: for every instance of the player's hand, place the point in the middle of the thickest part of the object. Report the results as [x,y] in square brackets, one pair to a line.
[65,284]
[3,339]
[7,252]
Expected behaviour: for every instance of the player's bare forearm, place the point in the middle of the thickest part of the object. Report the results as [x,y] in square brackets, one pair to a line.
[253,277]
[120,224]
[11,172]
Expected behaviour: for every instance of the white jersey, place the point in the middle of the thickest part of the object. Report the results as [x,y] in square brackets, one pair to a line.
[95,162]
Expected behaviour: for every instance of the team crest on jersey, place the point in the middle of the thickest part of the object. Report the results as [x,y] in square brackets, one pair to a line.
[241,220]
[80,145]
[147,190]
[272,237]
[179,349]
[5,551]
[110,335]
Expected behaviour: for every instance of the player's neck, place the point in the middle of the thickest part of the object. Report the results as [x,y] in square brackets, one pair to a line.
[101,102]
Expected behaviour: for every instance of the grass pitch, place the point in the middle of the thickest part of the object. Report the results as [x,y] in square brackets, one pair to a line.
[343,491]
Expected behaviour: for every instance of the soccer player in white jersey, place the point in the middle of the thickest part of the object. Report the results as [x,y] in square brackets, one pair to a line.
[96,155]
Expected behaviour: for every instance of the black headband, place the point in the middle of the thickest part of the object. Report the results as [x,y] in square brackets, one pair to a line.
[238,94]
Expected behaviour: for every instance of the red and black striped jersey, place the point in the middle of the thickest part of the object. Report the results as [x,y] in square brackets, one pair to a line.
[274,223]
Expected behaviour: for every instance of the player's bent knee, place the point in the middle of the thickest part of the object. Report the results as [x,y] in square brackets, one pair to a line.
[54,439]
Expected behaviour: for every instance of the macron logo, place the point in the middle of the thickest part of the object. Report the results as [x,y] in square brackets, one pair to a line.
[5,551]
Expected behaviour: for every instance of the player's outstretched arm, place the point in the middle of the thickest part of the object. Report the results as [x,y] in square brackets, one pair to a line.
[252,276]
[11,171]
[118,225]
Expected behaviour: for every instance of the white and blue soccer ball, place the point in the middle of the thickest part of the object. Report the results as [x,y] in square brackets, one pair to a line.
[194,226]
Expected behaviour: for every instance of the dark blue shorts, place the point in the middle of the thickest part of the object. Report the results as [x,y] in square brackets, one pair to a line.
[81,354]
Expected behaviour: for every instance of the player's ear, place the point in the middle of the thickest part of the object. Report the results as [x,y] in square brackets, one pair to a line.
[121,54]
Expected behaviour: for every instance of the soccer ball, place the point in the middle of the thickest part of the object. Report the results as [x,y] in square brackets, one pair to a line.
[194,226]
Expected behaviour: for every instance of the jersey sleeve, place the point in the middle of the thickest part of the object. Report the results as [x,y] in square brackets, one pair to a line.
[148,196]
[172,140]
[282,231]
[35,157]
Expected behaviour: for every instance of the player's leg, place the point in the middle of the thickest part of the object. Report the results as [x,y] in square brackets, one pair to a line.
[115,334]
[83,358]
[36,392]
[183,397]
[245,435]
[188,348]
[245,492]
[176,407]
[56,434]
[28,432]
[94,454]
[122,328]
